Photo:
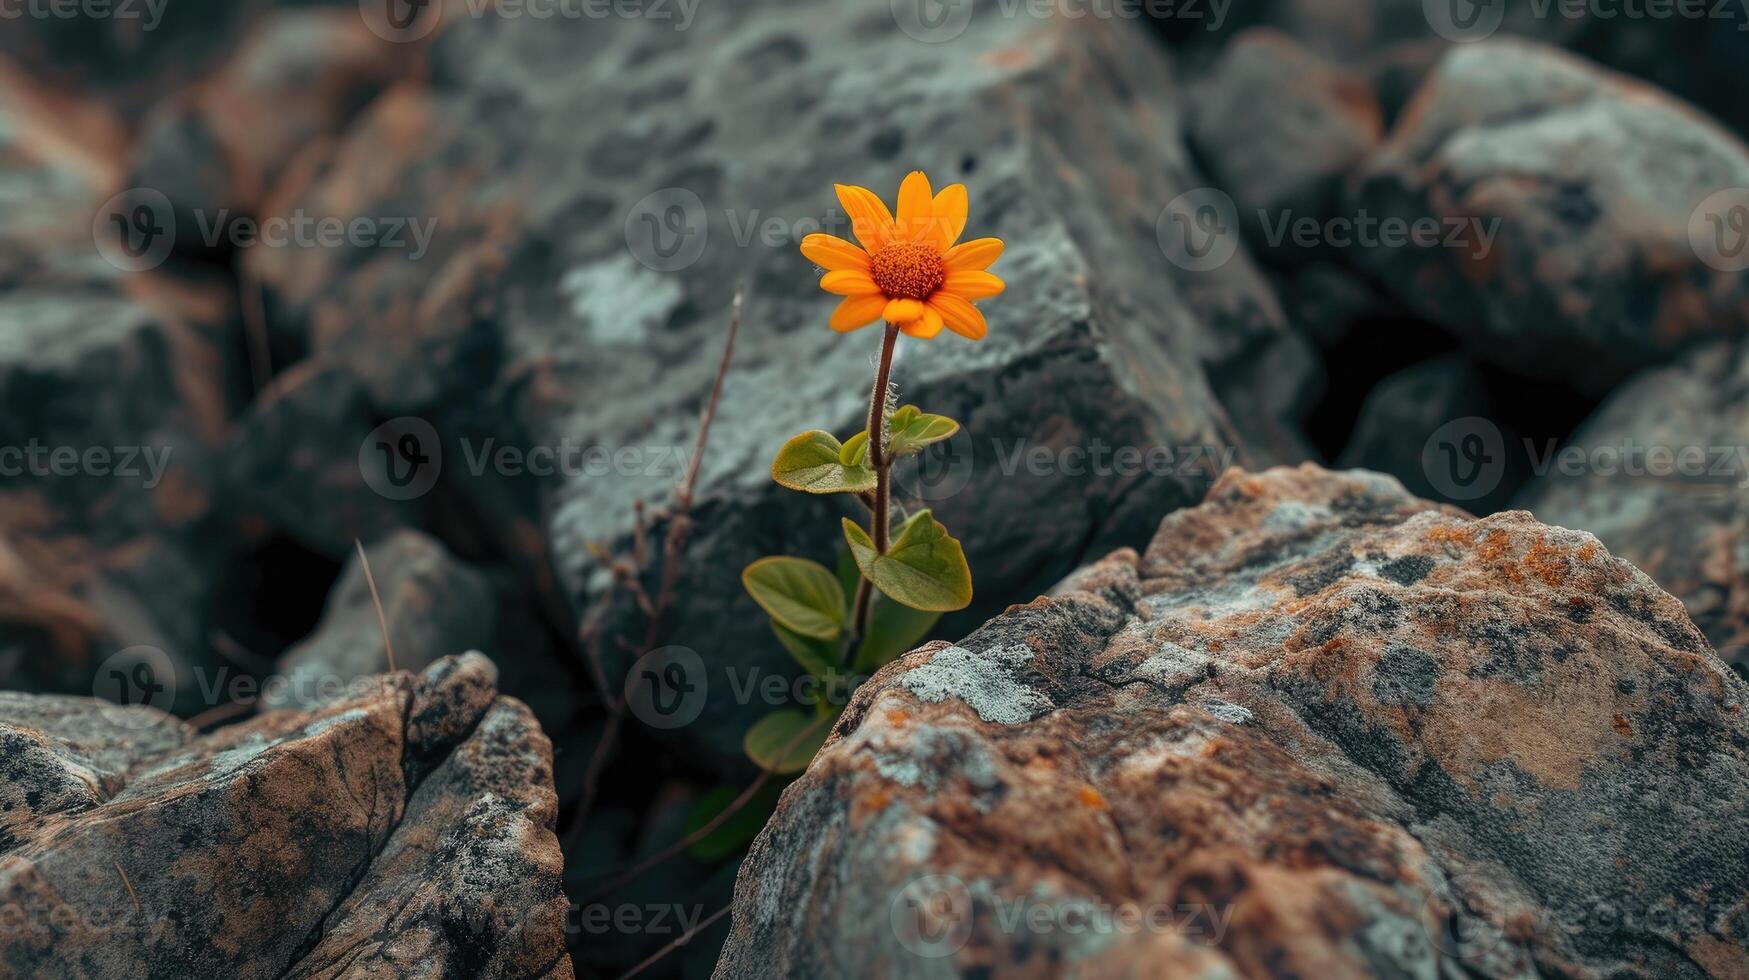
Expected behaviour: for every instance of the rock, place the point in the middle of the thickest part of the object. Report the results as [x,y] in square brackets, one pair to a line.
[1659,474]
[115,391]
[1322,121]
[297,462]
[436,606]
[272,109]
[1321,728]
[533,323]
[1564,198]
[1404,411]
[129,55]
[406,829]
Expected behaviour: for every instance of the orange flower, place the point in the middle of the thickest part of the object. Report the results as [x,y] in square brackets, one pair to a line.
[908,271]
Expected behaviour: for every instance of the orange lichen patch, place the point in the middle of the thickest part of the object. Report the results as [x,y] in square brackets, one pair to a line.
[1588,552]
[1546,563]
[898,717]
[869,803]
[1622,726]
[1497,545]
[1449,535]
[1091,797]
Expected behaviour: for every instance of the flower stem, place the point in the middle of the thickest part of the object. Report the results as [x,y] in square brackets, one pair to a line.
[882,466]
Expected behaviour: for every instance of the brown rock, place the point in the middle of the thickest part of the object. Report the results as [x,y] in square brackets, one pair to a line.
[406,830]
[1321,728]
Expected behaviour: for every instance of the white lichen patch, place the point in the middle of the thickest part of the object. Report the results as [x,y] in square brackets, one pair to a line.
[1173,667]
[620,301]
[1227,711]
[986,682]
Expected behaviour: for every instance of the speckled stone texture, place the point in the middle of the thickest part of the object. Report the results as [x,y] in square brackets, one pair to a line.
[536,320]
[1661,475]
[1321,728]
[1591,179]
[403,831]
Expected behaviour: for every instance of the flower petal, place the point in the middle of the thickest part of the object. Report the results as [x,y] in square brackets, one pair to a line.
[961,317]
[902,311]
[857,311]
[950,208]
[924,327]
[972,256]
[850,282]
[870,220]
[833,253]
[916,207]
[971,285]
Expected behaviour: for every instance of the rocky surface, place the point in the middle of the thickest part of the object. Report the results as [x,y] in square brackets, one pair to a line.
[1322,121]
[1320,728]
[1661,475]
[536,321]
[403,830]
[1564,196]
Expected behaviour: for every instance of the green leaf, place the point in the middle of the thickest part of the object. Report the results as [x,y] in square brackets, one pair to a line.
[810,463]
[924,567]
[855,450]
[741,827]
[892,629]
[913,429]
[785,741]
[799,594]
[815,656]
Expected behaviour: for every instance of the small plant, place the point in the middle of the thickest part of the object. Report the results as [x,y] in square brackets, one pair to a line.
[891,584]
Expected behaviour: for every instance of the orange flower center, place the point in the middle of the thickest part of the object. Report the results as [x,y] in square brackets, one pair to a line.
[907,270]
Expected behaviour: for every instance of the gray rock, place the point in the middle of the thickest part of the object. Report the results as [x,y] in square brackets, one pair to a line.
[1321,121]
[435,607]
[1660,474]
[1564,197]
[297,461]
[1321,728]
[115,391]
[1404,411]
[405,829]
[531,321]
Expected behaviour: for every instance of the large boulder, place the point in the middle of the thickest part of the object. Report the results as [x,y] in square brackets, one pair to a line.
[1565,214]
[544,316]
[1321,728]
[405,829]
[1661,474]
